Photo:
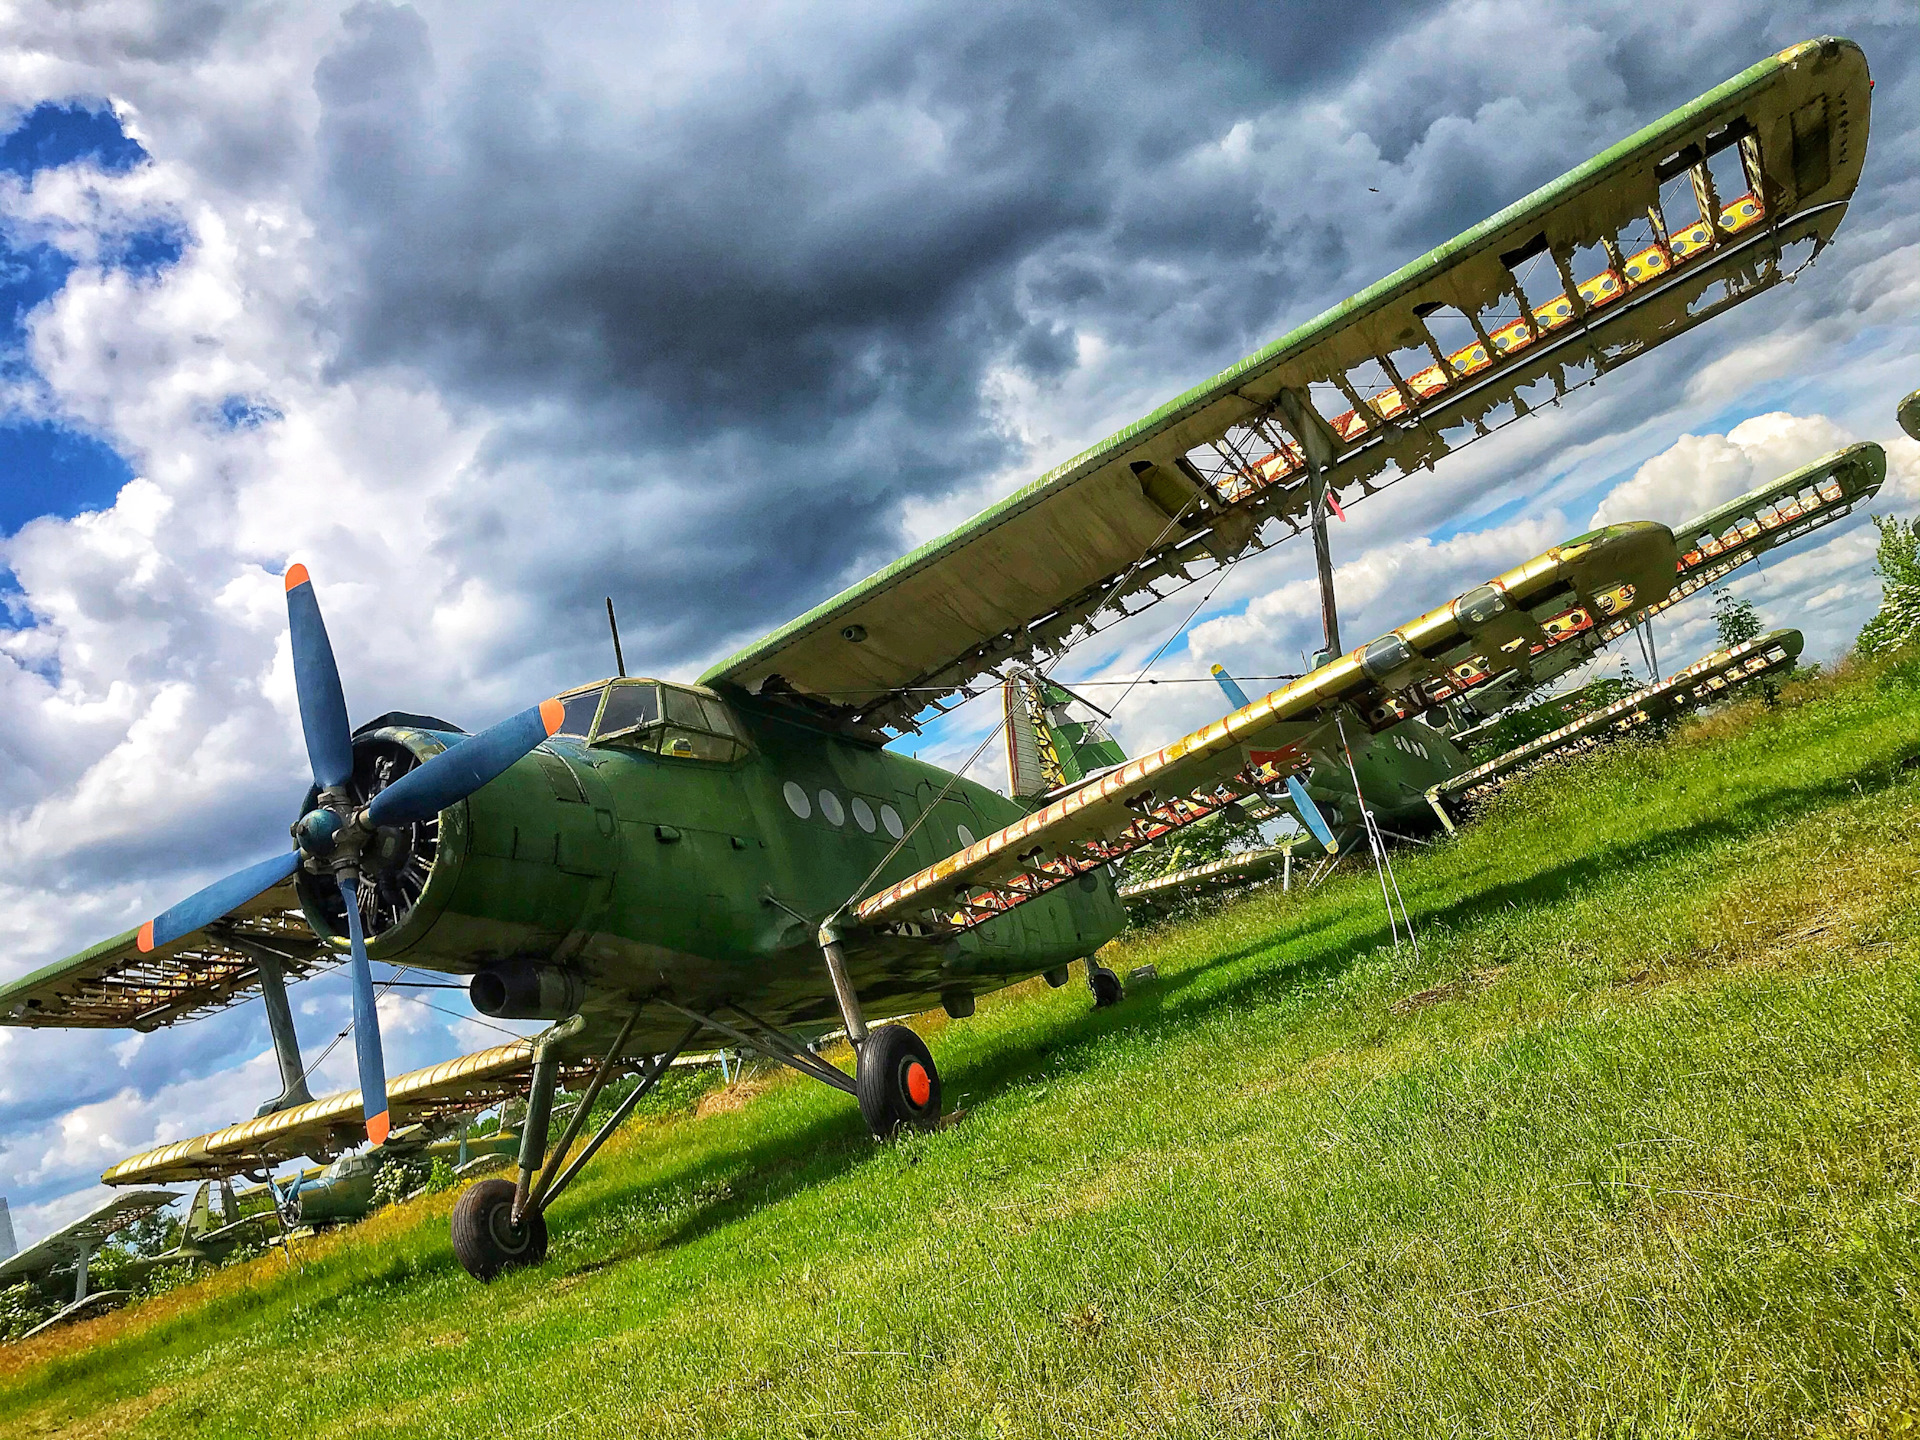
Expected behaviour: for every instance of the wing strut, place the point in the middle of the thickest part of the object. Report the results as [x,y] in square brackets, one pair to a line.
[271,965]
[1318,454]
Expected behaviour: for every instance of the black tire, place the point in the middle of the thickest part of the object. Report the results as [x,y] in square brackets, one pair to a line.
[896,1082]
[1105,985]
[485,1239]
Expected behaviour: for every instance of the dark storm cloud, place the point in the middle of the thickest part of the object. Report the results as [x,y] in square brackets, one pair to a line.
[770,306]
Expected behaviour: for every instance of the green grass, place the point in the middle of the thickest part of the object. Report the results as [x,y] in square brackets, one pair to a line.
[1627,1148]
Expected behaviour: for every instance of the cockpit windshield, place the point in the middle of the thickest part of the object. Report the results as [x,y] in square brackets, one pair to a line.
[661,719]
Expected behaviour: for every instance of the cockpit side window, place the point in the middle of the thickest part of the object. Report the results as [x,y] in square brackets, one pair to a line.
[580,709]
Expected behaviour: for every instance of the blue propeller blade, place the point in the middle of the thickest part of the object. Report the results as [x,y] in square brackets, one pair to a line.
[366,1023]
[458,771]
[1310,815]
[1232,687]
[206,906]
[323,708]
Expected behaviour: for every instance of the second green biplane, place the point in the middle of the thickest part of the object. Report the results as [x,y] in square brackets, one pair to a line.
[643,862]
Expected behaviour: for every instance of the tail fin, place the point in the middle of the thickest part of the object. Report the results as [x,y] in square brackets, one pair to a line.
[200,1213]
[1046,747]
[7,1243]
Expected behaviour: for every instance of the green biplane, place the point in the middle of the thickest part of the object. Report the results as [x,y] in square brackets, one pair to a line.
[1397,774]
[643,862]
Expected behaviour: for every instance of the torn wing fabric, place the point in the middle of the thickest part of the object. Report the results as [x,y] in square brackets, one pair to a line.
[116,985]
[1549,600]
[1633,247]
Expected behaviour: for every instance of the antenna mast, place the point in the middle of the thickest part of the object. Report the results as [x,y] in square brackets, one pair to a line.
[619,660]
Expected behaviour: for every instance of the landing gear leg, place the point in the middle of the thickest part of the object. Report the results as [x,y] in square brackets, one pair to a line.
[497,1225]
[894,1076]
[1105,985]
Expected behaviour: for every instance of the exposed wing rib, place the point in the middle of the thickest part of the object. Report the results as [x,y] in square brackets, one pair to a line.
[1259,745]
[334,1122]
[1369,388]
[1699,683]
[113,985]
[1238,869]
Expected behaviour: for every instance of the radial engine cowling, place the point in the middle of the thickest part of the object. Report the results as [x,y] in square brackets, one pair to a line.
[402,862]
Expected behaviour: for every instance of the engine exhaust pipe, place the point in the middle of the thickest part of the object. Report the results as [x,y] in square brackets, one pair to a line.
[527,992]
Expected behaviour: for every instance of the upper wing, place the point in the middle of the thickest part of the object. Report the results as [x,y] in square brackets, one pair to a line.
[334,1122]
[1490,628]
[83,1237]
[1719,542]
[117,985]
[1582,275]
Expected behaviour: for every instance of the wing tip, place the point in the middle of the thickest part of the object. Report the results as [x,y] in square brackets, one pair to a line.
[297,576]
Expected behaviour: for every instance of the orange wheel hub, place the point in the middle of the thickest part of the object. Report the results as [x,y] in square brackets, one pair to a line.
[919,1084]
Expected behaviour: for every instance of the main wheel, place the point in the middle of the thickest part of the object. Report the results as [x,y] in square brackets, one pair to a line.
[485,1239]
[896,1081]
[1105,985]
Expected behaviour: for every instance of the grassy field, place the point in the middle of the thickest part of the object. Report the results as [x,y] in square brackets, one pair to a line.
[1626,1149]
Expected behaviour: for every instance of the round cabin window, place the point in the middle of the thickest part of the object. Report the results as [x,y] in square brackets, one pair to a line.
[890,818]
[966,835]
[796,799]
[863,815]
[831,808]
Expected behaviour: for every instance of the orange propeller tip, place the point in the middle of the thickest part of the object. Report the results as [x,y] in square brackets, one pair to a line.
[379,1127]
[552,712]
[145,940]
[296,576]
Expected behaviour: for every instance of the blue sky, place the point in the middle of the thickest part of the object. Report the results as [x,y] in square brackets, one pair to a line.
[51,466]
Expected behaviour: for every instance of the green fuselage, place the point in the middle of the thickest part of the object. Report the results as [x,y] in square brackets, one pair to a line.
[1395,769]
[635,874]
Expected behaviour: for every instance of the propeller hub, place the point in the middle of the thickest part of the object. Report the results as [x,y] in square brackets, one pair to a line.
[317,833]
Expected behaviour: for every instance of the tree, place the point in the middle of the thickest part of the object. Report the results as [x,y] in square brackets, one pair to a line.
[1736,620]
[1897,563]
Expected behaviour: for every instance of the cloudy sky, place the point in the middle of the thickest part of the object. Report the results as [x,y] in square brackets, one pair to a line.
[485,312]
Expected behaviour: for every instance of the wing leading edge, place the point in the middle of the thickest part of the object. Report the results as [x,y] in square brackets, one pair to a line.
[1194,485]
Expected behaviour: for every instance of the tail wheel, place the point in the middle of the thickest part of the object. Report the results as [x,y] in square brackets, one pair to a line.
[1106,986]
[896,1081]
[485,1239]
